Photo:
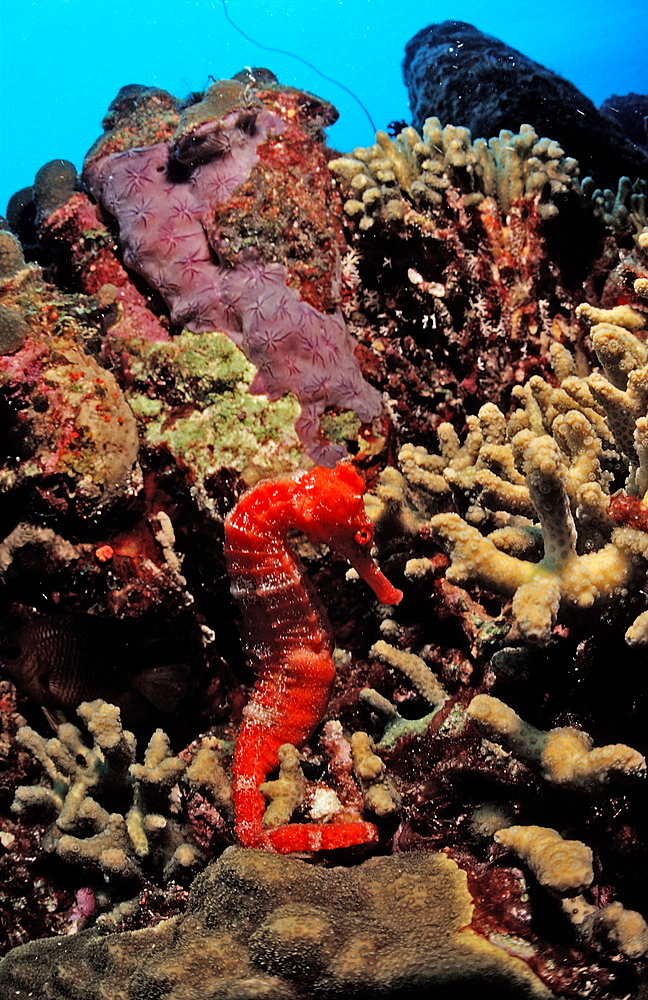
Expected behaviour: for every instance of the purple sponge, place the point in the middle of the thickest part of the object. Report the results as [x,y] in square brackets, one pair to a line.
[163,197]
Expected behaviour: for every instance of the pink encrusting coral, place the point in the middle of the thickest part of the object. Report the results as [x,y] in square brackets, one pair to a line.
[164,197]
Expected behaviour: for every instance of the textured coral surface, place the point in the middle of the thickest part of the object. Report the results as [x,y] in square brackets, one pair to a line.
[264,926]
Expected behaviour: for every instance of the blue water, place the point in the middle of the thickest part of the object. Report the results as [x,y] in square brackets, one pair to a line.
[63,61]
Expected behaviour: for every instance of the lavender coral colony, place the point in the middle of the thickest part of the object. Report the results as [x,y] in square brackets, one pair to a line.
[230,356]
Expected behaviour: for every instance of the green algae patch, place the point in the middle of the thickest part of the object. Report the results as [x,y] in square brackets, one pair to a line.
[191,396]
[340,428]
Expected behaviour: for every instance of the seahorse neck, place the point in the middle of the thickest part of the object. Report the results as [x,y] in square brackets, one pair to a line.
[269,513]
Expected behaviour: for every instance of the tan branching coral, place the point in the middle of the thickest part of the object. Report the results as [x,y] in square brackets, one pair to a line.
[206,773]
[413,667]
[84,831]
[286,792]
[564,866]
[421,677]
[384,180]
[624,210]
[625,931]
[562,576]
[378,792]
[546,473]
[564,756]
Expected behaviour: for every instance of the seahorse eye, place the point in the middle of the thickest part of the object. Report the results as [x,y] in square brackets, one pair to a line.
[363,536]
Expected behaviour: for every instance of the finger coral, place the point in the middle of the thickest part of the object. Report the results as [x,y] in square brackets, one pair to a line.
[425,167]
[562,865]
[565,757]
[84,832]
[549,467]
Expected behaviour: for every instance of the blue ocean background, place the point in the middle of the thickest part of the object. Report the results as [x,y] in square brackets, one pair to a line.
[63,61]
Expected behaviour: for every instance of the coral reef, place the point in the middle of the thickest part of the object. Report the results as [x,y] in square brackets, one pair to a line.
[217,302]
[549,467]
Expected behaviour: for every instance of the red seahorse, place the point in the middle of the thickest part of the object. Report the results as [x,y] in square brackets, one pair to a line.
[287,635]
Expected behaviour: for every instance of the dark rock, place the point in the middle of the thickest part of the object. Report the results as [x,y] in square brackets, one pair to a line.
[463,77]
[54,185]
[630,112]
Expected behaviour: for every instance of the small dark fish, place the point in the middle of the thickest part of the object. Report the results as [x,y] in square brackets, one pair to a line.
[60,660]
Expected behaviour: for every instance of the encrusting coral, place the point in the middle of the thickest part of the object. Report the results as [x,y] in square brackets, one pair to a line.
[262,925]
[70,422]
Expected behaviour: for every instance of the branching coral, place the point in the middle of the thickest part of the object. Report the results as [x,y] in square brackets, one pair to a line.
[113,843]
[549,469]
[385,179]
[623,210]
[424,681]
[562,576]
[565,757]
[625,930]
[565,866]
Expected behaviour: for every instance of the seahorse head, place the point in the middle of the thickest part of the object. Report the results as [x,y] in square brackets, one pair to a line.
[328,507]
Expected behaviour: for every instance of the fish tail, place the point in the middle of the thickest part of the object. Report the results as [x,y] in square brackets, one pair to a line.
[319,836]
